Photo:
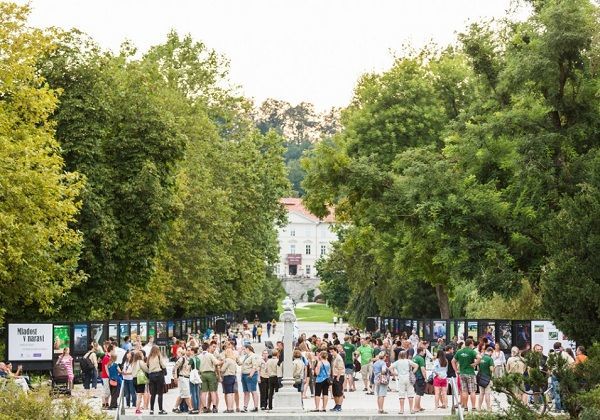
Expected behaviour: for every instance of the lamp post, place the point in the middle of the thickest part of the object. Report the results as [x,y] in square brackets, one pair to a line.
[288,399]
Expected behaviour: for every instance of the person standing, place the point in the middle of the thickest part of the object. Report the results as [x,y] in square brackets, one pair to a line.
[139,379]
[183,369]
[365,350]
[229,372]
[259,332]
[349,350]
[208,374]
[338,372]
[381,381]
[128,386]
[272,368]
[89,369]
[268,329]
[420,376]
[127,346]
[464,362]
[194,363]
[440,379]
[486,364]
[156,378]
[581,356]
[516,365]
[499,361]
[264,380]
[66,360]
[322,373]
[298,370]
[250,366]
[114,380]
[402,368]
[559,352]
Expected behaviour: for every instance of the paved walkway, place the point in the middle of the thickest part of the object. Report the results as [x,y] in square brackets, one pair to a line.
[355,403]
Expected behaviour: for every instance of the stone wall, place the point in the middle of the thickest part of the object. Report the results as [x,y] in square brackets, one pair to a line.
[297,287]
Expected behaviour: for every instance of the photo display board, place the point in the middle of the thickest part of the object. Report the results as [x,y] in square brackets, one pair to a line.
[30,342]
[546,334]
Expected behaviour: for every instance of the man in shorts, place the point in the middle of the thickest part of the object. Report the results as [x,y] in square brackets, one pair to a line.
[464,362]
[420,375]
[183,368]
[208,374]
[338,371]
[365,350]
[349,350]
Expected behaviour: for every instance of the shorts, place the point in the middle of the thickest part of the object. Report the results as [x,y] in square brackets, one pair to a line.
[440,382]
[209,381]
[235,385]
[365,371]
[468,383]
[105,388]
[229,384]
[405,388]
[420,387]
[249,382]
[381,390]
[184,387]
[350,370]
[337,387]
[139,389]
[322,388]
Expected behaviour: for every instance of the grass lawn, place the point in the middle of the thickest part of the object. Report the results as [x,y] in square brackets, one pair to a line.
[315,312]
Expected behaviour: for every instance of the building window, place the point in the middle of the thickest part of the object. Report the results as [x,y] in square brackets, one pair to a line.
[292,232]
[307,270]
[308,250]
[292,248]
[323,249]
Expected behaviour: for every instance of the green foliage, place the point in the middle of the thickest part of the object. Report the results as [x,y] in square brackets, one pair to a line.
[310,295]
[39,405]
[38,198]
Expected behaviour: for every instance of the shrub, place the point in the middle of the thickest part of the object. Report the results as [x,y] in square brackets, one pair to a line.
[39,405]
[310,295]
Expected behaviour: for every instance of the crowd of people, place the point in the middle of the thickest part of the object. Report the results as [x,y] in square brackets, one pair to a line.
[323,368]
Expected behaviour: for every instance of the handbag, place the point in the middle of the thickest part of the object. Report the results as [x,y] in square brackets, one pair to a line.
[140,377]
[483,380]
[113,382]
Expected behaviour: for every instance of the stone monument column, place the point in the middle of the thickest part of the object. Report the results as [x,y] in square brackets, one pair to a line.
[287,399]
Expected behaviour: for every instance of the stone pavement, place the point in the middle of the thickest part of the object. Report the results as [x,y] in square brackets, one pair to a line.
[357,405]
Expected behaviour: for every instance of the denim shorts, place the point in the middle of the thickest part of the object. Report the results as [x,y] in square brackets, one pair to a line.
[249,383]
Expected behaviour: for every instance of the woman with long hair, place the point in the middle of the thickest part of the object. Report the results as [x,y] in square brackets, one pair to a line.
[272,365]
[156,377]
[499,361]
[440,381]
[114,381]
[322,374]
[229,372]
[140,379]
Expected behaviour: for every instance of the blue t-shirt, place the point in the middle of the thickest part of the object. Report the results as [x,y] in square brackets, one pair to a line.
[377,368]
[323,372]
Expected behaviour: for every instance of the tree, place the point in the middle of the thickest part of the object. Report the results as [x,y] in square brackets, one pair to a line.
[38,198]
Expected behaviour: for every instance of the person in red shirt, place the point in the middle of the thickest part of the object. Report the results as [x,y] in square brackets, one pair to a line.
[108,348]
[174,348]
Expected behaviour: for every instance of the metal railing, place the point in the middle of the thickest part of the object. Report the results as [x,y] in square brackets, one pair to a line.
[456,399]
[121,402]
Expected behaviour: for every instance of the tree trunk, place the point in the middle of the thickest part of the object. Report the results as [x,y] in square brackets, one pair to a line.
[443,301]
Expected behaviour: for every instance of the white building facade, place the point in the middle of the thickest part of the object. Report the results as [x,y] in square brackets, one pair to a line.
[304,240]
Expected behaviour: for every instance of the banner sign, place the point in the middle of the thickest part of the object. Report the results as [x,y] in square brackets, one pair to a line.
[546,334]
[30,342]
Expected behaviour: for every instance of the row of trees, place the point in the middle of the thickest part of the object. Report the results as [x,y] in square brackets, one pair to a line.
[130,185]
[472,170]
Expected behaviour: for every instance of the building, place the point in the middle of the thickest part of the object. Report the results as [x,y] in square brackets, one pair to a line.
[304,240]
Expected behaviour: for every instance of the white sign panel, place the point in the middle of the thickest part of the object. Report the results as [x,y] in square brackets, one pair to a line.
[546,334]
[29,342]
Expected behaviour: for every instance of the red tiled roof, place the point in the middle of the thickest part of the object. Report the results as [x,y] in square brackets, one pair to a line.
[295,205]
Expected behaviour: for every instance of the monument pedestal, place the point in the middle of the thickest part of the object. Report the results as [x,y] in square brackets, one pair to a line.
[287,399]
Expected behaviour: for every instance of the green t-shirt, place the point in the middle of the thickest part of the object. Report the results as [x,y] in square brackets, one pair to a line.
[485,365]
[465,357]
[421,362]
[376,351]
[366,354]
[349,350]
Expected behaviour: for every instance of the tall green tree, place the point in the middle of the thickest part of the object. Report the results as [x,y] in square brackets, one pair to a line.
[39,248]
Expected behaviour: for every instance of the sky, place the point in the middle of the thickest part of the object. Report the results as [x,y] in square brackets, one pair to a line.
[294,50]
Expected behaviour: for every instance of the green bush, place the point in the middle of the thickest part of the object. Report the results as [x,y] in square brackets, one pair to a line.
[39,405]
[310,295]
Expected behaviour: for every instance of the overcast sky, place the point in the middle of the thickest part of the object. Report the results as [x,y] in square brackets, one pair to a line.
[295,50]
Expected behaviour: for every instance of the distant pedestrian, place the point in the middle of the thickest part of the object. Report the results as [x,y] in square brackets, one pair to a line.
[268,329]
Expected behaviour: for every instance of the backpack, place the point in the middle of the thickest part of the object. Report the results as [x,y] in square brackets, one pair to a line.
[86,363]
